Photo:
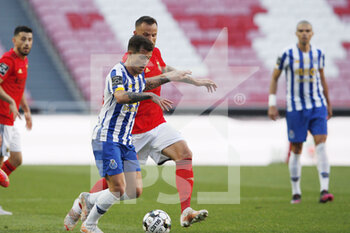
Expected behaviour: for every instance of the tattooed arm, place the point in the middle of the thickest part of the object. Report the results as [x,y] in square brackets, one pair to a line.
[173,76]
[125,97]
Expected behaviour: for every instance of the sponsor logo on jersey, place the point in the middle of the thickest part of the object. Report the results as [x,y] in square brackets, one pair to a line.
[3,68]
[113,164]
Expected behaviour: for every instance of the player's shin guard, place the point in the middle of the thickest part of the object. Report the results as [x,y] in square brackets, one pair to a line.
[295,172]
[103,203]
[8,168]
[100,185]
[184,182]
[322,166]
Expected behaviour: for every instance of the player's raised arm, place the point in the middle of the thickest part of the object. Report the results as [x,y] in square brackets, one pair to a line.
[125,97]
[209,84]
[273,112]
[173,76]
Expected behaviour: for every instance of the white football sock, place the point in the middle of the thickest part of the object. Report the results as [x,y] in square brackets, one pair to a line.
[94,196]
[295,172]
[322,166]
[103,203]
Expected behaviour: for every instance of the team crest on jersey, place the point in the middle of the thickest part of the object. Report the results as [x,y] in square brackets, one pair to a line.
[113,164]
[3,68]
[147,70]
[291,134]
[20,71]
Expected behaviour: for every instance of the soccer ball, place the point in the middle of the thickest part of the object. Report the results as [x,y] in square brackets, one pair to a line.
[156,221]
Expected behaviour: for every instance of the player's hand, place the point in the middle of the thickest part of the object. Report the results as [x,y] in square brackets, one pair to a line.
[209,84]
[14,110]
[179,75]
[330,111]
[29,122]
[273,113]
[164,104]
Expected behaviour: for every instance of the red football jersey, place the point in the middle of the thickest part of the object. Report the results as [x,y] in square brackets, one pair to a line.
[150,115]
[13,73]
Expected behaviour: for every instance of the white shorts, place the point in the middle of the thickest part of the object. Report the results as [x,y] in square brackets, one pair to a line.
[11,140]
[152,143]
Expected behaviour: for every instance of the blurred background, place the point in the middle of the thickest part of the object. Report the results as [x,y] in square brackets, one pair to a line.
[233,42]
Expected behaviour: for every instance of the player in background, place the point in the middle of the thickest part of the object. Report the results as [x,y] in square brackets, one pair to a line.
[154,137]
[308,106]
[13,76]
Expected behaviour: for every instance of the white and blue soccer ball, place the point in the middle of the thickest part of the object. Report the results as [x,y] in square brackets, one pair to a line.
[156,221]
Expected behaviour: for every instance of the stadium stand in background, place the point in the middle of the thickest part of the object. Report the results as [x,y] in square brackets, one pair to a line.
[46,85]
[257,30]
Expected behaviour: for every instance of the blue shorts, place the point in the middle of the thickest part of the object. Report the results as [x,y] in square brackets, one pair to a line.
[299,122]
[113,158]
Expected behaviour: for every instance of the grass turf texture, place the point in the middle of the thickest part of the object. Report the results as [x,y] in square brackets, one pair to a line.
[40,196]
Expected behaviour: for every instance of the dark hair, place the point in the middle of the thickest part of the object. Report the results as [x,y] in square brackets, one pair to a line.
[19,29]
[145,19]
[136,43]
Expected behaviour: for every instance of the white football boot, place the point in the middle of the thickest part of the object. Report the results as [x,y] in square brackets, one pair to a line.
[72,218]
[85,228]
[86,206]
[190,216]
[4,212]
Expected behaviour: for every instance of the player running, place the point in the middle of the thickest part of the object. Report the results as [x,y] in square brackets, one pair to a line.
[154,137]
[13,76]
[307,105]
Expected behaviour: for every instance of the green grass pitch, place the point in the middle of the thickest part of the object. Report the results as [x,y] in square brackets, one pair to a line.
[40,196]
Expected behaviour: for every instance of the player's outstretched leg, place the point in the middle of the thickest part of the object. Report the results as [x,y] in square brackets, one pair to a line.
[184,183]
[325,196]
[4,180]
[73,216]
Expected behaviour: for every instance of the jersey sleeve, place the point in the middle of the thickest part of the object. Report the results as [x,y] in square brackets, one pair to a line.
[281,60]
[160,59]
[116,81]
[6,67]
[321,59]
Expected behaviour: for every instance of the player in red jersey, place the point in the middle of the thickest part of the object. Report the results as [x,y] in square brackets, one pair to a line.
[13,76]
[154,137]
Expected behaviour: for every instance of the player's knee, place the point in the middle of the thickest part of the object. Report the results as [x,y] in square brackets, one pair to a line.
[118,189]
[186,154]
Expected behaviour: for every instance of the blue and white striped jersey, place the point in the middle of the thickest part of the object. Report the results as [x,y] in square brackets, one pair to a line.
[116,120]
[304,88]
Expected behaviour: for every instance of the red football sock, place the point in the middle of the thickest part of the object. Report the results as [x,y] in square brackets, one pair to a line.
[100,185]
[184,182]
[7,167]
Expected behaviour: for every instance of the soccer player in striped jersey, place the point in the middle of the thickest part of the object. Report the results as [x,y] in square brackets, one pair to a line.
[111,140]
[154,137]
[308,105]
